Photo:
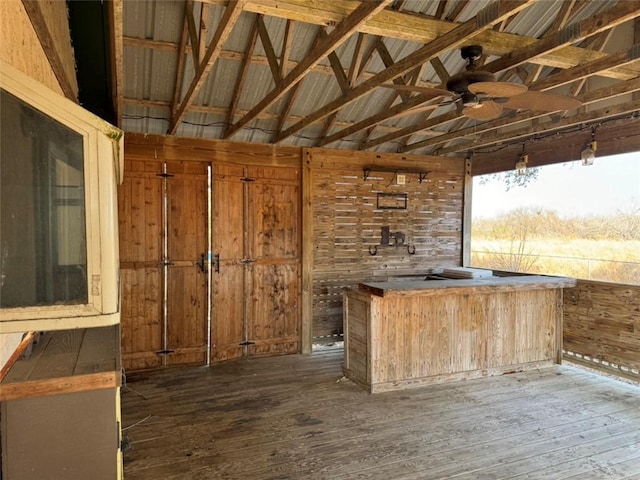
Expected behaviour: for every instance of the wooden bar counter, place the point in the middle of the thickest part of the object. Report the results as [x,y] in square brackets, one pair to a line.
[403,334]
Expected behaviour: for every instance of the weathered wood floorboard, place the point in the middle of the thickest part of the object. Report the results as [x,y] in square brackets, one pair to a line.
[294,417]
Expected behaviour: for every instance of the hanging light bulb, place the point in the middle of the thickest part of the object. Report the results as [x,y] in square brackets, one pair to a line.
[521,164]
[588,155]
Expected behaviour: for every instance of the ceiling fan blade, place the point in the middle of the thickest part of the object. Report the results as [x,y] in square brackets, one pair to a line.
[497,89]
[546,102]
[419,89]
[487,110]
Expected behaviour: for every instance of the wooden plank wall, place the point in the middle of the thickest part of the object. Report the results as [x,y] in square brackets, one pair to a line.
[340,217]
[347,222]
[602,327]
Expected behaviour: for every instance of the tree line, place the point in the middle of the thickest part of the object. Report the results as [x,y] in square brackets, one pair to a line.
[535,223]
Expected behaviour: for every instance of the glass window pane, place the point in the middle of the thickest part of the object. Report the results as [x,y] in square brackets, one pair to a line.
[43,253]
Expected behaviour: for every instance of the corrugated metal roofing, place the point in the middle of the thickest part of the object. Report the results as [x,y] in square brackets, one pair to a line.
[150,72]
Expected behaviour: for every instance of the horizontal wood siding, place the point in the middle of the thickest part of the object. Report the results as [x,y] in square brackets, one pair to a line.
[347,222]
[602,326]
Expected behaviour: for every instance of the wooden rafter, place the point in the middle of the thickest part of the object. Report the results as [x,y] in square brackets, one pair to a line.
[581,30]
[182,56]
[38,20]
[343,83]
[193,33]
[269,50]
[484,20]
[442,5]
[338,36]
[202,31]
[292,94]
[117,51]
[286,47]
[411,27]
[598,44]
[244,69]
[229,19]
[356,60]
[593,25]
[457,10]
[385,56]
[621,73]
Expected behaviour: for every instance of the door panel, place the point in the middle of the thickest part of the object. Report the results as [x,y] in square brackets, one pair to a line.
[274,309]
[186,279]
[164,293]
[140,232]
[256,295]
[227,322]
[274,242]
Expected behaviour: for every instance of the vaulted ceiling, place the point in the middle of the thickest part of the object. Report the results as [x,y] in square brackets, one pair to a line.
[312,72]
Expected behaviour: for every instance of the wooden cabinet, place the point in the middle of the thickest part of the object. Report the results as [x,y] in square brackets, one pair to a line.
[163,217]
[256,237]
[409,333]
[244,299]
[61,408]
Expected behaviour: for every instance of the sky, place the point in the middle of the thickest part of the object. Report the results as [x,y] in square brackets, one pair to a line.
[608,186]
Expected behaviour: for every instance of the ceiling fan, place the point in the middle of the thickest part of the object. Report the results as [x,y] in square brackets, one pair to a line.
[479,96]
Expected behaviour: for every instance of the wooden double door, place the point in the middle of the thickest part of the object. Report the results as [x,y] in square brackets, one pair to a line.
[210,262]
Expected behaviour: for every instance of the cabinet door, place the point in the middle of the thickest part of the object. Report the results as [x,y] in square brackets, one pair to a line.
[228,280]
[187,248]
[274,244]
[256,233]
[140,204]
[163,219]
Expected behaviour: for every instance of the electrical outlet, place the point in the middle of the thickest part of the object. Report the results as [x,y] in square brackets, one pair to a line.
[401,179]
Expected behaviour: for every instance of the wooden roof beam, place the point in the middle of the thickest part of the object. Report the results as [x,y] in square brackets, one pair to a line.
[337,37]
[244,69]
[193,33]
[229,19]
[584,29]
[274,66]
[576,32]
[182,56]
[621,73]
[485,19]
[411,27]
[286,47]
[117,51]
[51,47]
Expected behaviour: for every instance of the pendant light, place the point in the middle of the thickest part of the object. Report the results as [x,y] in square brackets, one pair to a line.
[521,164]
[588,155]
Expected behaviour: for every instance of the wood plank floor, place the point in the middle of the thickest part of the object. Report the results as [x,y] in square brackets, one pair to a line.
[294,417]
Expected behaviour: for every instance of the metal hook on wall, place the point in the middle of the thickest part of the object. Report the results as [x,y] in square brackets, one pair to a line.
[411,249]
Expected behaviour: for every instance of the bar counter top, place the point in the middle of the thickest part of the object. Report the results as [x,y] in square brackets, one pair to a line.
[408,288]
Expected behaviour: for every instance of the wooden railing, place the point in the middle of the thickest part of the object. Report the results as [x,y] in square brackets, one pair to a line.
[602,327]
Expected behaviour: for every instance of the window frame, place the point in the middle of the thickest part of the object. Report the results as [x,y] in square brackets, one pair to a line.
[103,166]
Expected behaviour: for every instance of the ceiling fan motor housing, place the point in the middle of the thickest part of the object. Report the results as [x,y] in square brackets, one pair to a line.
[460,82]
